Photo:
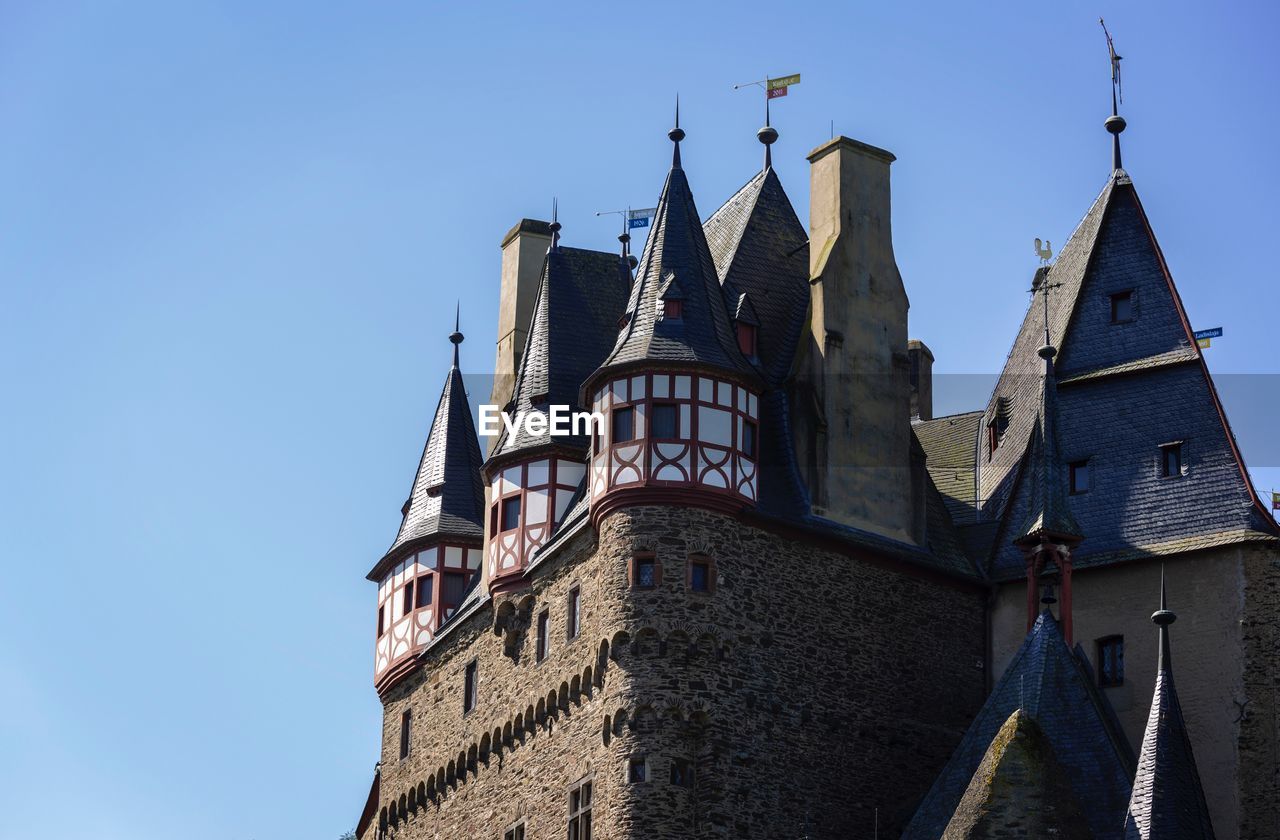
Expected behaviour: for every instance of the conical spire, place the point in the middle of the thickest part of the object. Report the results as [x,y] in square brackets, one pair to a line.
[447,497]
[1168,801]
[1049,512]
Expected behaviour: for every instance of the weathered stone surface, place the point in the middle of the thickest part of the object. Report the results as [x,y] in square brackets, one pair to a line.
[808,690]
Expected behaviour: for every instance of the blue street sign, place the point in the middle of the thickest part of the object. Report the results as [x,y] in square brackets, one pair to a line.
[643,221]
[1216,332]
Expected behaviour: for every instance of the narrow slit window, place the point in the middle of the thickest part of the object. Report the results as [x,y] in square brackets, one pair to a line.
[747,339]
[382,620]
[544,625]
[575,613]
[469,688]
[406,722]
[408,597]
[1111,661]
[748,438]
[1171,460]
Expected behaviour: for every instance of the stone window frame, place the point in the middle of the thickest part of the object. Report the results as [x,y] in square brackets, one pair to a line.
[515,831]
[470,686]
[406,733]
[542,637]
[575,816]
[642,761]
[633,571]
[688,767]
[710,562]
[573,612]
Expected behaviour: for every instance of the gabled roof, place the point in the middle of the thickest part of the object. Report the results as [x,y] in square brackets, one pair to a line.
[703,335]
[1123,389]
[575,317]
[761,250]
[447,497]
[1053,685]
[1168,802]
[1019,790]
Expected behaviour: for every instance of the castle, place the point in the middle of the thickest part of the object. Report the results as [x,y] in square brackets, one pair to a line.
[772,596]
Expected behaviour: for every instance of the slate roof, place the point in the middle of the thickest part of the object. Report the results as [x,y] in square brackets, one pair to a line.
[1049,513]
[1123,390]
[761,253]
[1019,790]
[1168,801]
[447,497]
[1054,686]
[950,444]
[580,298]
[677,249]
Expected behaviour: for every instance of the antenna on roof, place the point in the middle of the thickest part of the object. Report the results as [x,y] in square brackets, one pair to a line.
[1115,123]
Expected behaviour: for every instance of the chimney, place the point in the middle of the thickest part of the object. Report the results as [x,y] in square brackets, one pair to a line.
[860,455]
[523,250]
[921,379]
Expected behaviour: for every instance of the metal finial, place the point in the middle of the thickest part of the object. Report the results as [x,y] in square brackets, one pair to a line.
[676,134]
[1047,596]
[555,224]
[1115,123]
[1162,618]
[456,337]
[767,135]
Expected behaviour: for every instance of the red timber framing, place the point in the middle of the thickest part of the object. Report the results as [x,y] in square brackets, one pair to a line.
[706,453]
[542,489]
[415,597]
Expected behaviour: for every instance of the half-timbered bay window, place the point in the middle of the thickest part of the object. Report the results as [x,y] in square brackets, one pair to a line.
[527,501]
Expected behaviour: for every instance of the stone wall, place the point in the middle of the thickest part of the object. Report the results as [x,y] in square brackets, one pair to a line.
[808,690]
[1235,754]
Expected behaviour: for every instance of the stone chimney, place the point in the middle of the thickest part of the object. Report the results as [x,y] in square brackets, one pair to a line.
[523,250]
[921,379]
[859,454]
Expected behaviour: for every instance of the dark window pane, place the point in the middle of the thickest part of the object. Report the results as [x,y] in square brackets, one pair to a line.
[645,573]
[544,622]
[682,773]
[405,721]
[575,603]
[586,795]
[469,689]
[382,624]
[747,339]
[1171,460]
[672,309]
[408,596]
[700,576]
[623,426]
[425,587]
[1122,307]
[510,513]
[749,439]
[1111,661]
[638,771]
[1080,477]
[586,825]
[666,421]
[454,585]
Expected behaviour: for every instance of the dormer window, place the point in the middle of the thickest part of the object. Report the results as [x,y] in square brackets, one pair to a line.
[747,339]
[672,310]
[1171,460]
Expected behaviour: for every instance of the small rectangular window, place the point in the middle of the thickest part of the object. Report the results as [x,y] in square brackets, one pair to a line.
[469,688]
[1122,307]
[575,608]
[544,624]
[425,585]
[493,519]
[638,769]
[1111,661]
[672,310]
[1080,477]
[453,587]
[1171,460]
[645,572]
[622,426]
[665,424]
[382,620]
[748,438]
[747,339]
[516,832]
[682,773]
[511,513]
[580,812]
[699,576]
[408,597]
[406,720]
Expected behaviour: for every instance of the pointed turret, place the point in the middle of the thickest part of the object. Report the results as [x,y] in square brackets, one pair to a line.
[676,382]
[1050,515]
[534,471]
[425,573]
[1168,801]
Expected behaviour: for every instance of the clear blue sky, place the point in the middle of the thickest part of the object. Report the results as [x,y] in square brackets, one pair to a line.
[232,235]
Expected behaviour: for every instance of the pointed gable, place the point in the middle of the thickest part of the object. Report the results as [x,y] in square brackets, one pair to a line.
[1019,790]
[761,251]
[1052,684]
[447,498]
[580,297]
[1124,389]
[677,252]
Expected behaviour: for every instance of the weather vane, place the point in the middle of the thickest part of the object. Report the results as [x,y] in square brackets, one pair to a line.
[1045,251]
[1116,89]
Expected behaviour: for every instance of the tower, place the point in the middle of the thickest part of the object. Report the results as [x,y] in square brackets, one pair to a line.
[424,575]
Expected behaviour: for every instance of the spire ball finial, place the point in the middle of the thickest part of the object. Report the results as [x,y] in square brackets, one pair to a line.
[1047,351]
[1115,124]
[676,134]
[767,135]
